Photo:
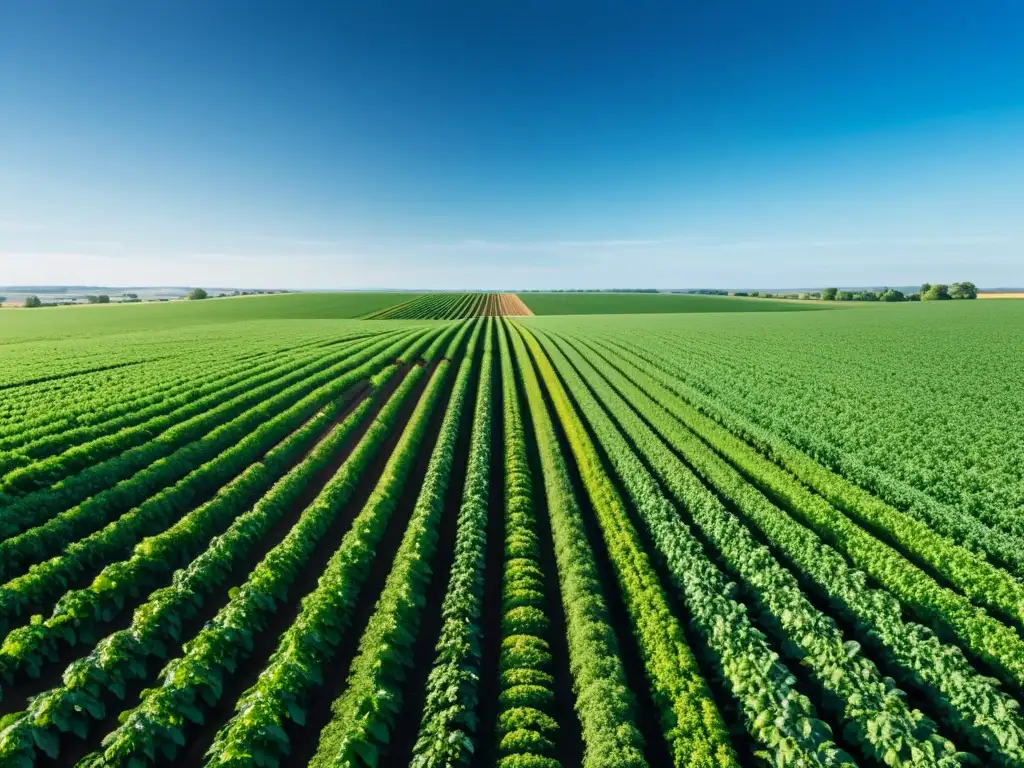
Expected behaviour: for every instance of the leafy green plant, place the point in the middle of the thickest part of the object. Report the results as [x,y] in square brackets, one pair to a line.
[448,721]
[875,715]
[603,701]
[364,715]
[121,657]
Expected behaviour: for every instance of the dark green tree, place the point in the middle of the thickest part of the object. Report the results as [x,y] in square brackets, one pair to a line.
[33,301]
[829,294]
[197,294]
[965,290]
[936,293]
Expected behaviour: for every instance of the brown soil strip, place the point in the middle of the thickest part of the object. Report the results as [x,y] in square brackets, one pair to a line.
[513,306]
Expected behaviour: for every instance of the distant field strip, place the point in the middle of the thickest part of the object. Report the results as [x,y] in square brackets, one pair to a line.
[453,306]
[518,542]
[623,303]
[59,322]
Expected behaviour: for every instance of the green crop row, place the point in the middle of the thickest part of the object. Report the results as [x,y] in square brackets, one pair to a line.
[448,720]
[604,702]
[974,707]
[28,413]
[440,306]
[102,481]
[692,726]
[48,413]
[364,715]
[81,613]
[936,538]
[925,435]
[186,419]
[58,423]
[44,581]
[525,728]
[296,667]
[194,681]
[166,406]
[995,643]
[876,717]
[281,692]
[122,656]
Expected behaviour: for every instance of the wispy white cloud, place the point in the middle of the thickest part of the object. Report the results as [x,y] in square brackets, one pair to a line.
[858,242]
[668,261]
[99,243]
[694,243]
[301,241]
[11,225]
[558,245]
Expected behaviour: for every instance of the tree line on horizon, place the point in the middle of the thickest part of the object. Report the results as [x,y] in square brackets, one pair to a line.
[928,292]
[196,294]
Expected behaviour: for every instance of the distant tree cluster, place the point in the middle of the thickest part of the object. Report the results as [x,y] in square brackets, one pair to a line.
[33,301]
[197,294]
[806,295]
[100,299]
[928,292]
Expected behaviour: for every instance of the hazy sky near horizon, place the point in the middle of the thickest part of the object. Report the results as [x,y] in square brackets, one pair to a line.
[511,144]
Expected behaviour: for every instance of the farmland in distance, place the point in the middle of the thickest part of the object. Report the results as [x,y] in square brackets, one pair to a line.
[448,529]
[615,303]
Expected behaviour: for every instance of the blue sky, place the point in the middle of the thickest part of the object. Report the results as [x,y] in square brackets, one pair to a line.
[511,145]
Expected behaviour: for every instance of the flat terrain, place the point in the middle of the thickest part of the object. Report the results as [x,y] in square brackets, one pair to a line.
[653,303]
[109,318]
[709,540]
[928,393]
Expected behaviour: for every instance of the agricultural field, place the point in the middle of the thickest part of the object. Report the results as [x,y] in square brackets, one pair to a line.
[439,531]
[60,322]
[608,303]
[454,306]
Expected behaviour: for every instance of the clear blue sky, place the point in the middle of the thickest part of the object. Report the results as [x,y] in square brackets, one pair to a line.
[511,144]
